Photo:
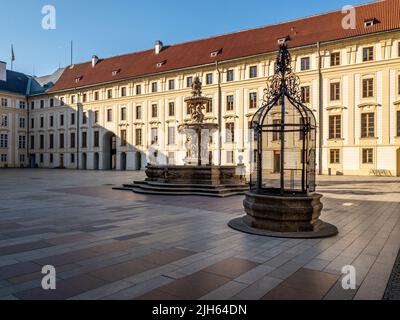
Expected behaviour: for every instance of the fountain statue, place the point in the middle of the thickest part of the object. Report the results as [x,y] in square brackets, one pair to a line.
[198,175]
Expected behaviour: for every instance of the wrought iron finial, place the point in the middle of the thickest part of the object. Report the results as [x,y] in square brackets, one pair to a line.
[284,81]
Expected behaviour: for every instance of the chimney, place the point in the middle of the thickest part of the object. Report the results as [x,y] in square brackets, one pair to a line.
[3,71]
[158,46]
[95,59]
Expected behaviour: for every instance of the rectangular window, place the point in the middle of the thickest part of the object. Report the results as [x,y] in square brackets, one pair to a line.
[51,121]
[96,139]
[209,107]
[72,99]
[335,127]
[22,142]
[51,158]
[84,140]
[229,157]
[51,103]
[109,115]
[32,105]
[51,141]
[32,142]
[41,157]
[96,116]
[42,122]
[305,63]
[4,102]
[22,104]
[62,140]
[138,89]
[334,156]
[276,134]
[154,111]
[96,96]
[123,92]
[368,88]
[123,114]
[230,132]
[4,121]
[229,103]
[154,135]
[123,138]
[84,97]
[398,123]
[335,59]
[138,137]
[368,156]
[72,158]
[305,94]
[335,91]
[22,123]
[154,87]
[253,100]
[171,135]
[109,94]
[22,158]
[72,140]
[61,120]
[209,78]
[368,125]
[41,104]
[3,158]
[84,118]
[253,72]
[41,142]
[189,82]
[138,112]
[32,123]
[4,140]
[61,101]
[171,109]
[171,84]
[72,119]
[230,76]
[368,54]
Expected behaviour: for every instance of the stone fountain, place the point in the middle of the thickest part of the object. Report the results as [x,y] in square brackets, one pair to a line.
[198,175]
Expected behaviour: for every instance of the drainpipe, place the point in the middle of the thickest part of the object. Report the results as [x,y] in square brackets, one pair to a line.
[219,115]
[77,131]
[28,137]
[320,109]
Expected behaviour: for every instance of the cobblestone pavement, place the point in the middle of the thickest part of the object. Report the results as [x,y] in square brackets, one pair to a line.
[393,289]
[108,244]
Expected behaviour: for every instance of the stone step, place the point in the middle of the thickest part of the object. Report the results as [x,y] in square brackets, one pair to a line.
[185,193]
[202,186]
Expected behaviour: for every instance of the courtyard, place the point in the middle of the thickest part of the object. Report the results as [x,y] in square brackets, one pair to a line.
[108,244]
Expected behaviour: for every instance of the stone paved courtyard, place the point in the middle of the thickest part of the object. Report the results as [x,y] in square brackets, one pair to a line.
[108,244]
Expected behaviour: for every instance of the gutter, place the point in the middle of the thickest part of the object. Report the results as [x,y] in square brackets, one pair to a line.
[320,109]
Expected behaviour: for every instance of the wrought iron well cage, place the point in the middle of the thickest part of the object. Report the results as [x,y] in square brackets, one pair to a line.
[283,136]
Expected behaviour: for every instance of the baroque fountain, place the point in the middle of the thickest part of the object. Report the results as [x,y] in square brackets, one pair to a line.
[198,175]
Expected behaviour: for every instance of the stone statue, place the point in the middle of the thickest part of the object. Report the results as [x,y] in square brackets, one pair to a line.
[197,113]
[196,87]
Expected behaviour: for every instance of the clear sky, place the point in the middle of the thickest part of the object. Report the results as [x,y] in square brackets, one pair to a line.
[108,28]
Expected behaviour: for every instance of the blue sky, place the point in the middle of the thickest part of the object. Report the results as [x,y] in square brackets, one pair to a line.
[108,28]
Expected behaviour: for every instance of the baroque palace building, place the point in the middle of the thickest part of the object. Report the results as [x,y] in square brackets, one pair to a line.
[125,111]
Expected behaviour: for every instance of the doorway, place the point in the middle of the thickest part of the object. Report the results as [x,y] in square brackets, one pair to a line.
[84,161]
[110,151]
[138,161]
[123,161]
[61,161]
[96,161]
[32,161]
[277,162]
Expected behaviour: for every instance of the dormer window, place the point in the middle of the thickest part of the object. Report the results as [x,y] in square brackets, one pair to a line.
[216,53]
[77,80]
[115,72]
[160,64]
[370,22]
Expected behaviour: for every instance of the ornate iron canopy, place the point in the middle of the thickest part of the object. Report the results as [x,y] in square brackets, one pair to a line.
[284,135]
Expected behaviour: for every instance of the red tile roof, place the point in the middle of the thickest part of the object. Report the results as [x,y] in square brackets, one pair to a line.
[303,32]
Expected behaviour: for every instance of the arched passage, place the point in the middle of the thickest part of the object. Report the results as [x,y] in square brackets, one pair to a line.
[109,151]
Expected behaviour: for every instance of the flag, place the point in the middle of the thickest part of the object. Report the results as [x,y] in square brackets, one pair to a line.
[12,53]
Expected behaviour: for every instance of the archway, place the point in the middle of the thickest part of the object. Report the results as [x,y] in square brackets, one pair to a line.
[123,161]
[109,151]
[84,161]
[96,161]
[398,162]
